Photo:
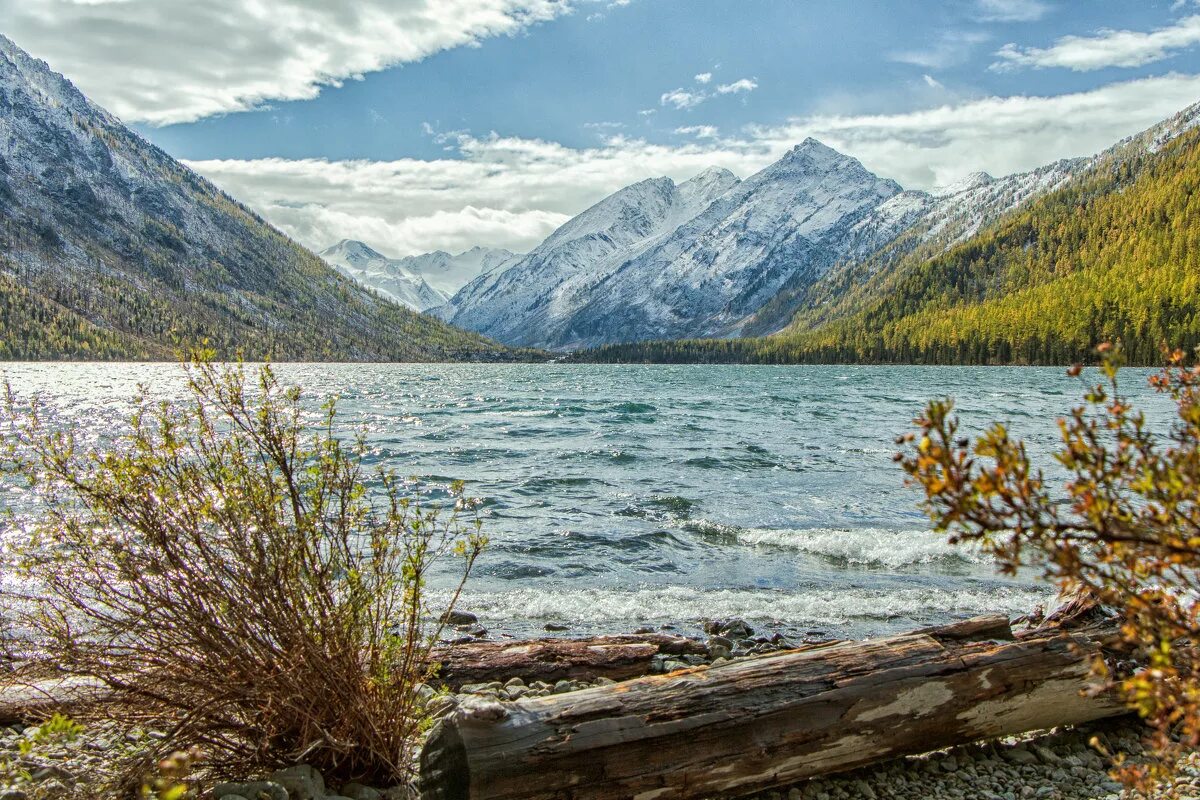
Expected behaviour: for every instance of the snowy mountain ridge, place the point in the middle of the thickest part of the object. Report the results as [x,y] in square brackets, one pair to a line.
[657,259]
[419,282]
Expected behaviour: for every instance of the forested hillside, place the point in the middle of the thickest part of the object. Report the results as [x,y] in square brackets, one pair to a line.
[109,248]
[1112,255]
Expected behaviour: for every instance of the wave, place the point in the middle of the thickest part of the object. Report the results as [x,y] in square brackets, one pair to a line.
[868,546]
[679,604]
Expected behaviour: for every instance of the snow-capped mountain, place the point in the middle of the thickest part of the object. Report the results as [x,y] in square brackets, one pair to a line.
[531,298]
[658,260]
[110,248]
[949,215]
[448,273]
[420,282]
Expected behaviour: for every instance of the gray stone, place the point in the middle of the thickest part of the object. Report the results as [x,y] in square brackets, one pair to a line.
[357,791]
[1021,756]
[255,790]
[301,781]
[554,627]
[459,618]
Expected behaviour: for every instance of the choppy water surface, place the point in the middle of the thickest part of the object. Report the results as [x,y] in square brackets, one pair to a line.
[624,496]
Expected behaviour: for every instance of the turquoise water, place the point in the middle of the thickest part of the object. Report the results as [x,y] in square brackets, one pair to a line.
[624,496]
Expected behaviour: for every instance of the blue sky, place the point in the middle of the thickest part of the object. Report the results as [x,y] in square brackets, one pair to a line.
[423,124]
[573,80]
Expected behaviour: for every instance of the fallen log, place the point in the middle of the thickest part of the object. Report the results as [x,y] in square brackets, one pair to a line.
[551,660]
[751,725]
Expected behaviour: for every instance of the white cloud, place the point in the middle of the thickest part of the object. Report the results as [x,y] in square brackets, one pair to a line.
[1000,135]
[165,61]
[743,85]
[682,98]
[511,192]
[1012,10]
[951,48]
[932,82]
[699,131]
[1108,48]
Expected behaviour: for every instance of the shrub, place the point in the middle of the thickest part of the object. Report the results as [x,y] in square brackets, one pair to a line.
[224,566]
[1125,528]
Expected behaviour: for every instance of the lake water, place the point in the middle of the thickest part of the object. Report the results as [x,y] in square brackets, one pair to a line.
[618,497]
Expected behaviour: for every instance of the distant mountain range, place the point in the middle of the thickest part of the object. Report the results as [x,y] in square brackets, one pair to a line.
[1034,269]
[109,248]
[420,282]
[719,257]
[788,248]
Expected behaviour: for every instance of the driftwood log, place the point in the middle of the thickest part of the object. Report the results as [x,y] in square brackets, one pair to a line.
[550,660]
[759,723]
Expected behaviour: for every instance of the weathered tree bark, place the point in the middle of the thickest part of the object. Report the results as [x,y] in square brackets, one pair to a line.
[550,660]
[751,725]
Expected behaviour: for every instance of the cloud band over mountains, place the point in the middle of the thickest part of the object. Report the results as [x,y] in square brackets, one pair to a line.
[512,192]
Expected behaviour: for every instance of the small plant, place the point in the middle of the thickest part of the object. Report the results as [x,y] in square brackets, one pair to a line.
[1125,529]
[54,732]
[171,781]
[223,567]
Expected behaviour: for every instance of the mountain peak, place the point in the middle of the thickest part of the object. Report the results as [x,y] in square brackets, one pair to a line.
[352,248]
[709,174]
[974,180]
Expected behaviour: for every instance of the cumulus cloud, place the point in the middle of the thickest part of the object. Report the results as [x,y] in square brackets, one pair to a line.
[512,192]
[690,98]
[737,87]
[1108,48]
[1012,10]
[682,98]
[699,131]
[166,61]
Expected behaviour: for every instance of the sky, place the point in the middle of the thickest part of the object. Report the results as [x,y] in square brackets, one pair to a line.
[417,125]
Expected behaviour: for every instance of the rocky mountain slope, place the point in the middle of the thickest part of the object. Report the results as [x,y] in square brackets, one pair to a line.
[109,248]
[419,282]
[1106,253]
[738,259]
[530,301]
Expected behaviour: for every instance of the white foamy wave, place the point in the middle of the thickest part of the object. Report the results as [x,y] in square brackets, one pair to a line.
[889,548]
[684,604]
